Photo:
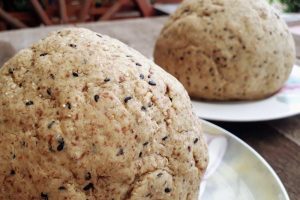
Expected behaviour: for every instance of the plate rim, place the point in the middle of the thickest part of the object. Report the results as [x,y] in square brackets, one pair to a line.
[295,70]
[256,154]
[246,120]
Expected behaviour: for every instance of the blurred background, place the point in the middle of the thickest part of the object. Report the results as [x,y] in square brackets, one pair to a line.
[30,13]
[23,22]
[15,14]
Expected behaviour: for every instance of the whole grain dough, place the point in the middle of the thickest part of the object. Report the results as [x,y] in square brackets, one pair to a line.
[83,116]
[226,50]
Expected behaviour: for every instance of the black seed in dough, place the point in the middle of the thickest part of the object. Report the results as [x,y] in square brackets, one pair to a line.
[146,143]
[168,190]
[120,152]
[68,105]
[151,82]
[138,64]
[96,97]
[12,172]
[49,92]
[73,45]
[43,54]
[50,148]
[143,108]
[51,124]
[62,188]
[10,71]
[87,176]
[44,196]
[164,138]
[75,74]
[196,140]
[106,79]
[88,187]
[61,144]
[142,76]
[29,103]
[127,99]
[149,195]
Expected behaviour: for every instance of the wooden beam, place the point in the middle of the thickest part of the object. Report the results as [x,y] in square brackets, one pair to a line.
[98,11]
[112,11]
[24,16]
[2,26]
[168,1]
[11,20]
[38,8]
[85,10]
[145,7]
[63,11]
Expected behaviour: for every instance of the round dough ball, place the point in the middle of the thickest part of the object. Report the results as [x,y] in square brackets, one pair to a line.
[226,50]
[83,116]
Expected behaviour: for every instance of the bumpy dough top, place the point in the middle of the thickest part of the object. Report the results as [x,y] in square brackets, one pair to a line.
[83,116]
[226,50]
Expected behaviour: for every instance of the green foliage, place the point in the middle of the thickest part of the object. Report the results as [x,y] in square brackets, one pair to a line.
[291,5]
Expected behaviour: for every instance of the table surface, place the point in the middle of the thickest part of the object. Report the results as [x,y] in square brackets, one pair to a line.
[277,141]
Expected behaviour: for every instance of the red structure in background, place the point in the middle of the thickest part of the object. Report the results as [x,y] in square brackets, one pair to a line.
[49,12]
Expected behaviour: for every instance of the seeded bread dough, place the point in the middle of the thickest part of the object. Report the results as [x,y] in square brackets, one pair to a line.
[226,50]
[83,116]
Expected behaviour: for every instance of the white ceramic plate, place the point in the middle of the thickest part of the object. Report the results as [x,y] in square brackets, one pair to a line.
[236,171]
[283,104]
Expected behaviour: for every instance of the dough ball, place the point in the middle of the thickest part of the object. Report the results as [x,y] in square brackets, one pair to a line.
[83,116]
[226,50]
